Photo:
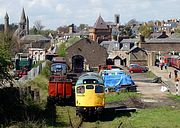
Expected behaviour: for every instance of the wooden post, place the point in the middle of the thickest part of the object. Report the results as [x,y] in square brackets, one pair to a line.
[36,94]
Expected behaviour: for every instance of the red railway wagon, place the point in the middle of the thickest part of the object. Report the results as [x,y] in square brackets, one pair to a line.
[175,61]
[59,90]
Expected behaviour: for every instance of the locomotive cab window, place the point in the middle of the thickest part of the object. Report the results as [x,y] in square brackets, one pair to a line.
[89,87]
[80,89]
[99,89]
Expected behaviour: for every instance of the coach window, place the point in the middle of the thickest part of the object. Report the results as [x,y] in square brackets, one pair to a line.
[99,89]
[80,89]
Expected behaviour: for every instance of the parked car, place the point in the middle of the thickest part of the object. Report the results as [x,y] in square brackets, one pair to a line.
[136,68]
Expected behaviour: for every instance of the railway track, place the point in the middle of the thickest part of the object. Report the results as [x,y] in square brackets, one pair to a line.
[67,116]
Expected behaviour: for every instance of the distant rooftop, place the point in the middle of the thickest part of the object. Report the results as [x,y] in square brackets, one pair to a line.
[164,40]
[34,38]
[100,24]
[129,40]
[175,35]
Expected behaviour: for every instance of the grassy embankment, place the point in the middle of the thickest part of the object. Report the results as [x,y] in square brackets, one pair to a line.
[161,117]
[36,113]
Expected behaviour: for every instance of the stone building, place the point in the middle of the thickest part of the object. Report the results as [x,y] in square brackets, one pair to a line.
[156,47]
[100,31]
[6,23]
[23,28]
[137,56]
[84,53]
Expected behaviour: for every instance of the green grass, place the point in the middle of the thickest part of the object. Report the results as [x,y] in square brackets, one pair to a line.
[112,97]
[174,97]
[40,82]
[163,117]
[150,74]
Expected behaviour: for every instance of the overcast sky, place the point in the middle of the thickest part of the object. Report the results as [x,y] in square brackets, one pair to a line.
[55,13]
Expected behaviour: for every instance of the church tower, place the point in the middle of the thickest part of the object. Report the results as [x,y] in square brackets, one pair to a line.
[22,23]
[27,25]
[6,23]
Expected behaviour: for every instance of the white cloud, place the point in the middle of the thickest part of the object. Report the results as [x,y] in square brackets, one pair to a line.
[63,9]
[64,12]
[60,8]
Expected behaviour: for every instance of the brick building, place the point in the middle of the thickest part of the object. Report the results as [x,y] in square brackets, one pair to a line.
[85,52]
[100,31]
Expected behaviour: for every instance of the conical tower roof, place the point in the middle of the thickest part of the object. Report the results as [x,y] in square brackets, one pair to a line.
[100,24]
[6,16]
[23,17]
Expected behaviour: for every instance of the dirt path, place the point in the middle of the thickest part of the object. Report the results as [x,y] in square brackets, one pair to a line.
[152,96]
[151,90]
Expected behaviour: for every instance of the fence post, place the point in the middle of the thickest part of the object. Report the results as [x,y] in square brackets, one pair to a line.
[177,88]
[36,94]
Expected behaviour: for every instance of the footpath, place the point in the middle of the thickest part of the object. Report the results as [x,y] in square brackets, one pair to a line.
[167,80]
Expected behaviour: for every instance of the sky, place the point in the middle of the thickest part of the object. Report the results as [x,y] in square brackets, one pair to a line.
[55,13]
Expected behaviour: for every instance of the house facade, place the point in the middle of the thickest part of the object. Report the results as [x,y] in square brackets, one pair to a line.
[137,56]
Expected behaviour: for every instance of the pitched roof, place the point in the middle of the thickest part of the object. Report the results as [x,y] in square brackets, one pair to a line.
[164,40]
[110,45]
[34,38]
[129,40]
[136,48]
[100,24]
[175,35]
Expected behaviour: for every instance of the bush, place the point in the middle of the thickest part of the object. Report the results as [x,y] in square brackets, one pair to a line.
[46,70]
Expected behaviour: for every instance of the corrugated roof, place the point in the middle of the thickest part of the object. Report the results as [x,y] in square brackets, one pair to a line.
[100,24]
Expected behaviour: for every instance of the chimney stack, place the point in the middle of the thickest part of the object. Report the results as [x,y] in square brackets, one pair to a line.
[142,38]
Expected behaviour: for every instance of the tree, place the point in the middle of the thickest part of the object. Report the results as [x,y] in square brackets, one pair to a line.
[145,30]
[83,26]
[177,30]
[5,60]
[38,27]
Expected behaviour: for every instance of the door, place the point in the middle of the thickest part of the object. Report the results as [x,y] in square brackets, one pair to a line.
[77,63]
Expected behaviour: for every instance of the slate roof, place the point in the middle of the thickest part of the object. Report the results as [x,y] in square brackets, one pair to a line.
[174,35]
[110,45]
[164,40]
[34,38]
[100,24]
[135,48]
[155,35]
[129,40]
